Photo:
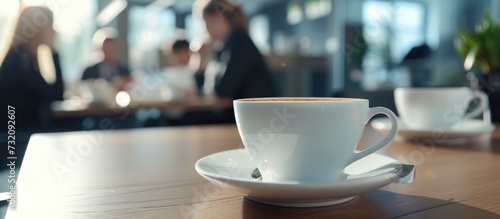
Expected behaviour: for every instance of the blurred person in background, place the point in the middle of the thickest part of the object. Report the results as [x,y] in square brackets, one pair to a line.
[30,74]
[109,68]
[179,79]
[180,75]
[181,54]
[237,69]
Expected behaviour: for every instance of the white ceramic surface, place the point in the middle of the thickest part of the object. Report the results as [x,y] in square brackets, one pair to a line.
[464,130]
[288,137]
[232,170]
[424,108]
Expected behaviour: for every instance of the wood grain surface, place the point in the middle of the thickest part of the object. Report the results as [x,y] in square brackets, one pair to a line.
[149,173]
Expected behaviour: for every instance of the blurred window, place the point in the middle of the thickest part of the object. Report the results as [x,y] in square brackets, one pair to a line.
[399,25]
[318,8]
[259,31]
[71,22]
[391,29]
[195,29]
[74,34]
[149,29]
[7,16]
[294,13]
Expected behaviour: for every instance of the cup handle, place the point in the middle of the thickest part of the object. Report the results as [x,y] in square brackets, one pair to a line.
[483,105]
[372,112]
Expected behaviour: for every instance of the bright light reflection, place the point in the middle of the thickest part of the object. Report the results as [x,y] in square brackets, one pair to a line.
[122,99]
[294,15]
[9,7]
[8,10]
[46,64]
[195,45]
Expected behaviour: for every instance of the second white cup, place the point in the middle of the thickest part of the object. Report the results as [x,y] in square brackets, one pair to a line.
[437,108]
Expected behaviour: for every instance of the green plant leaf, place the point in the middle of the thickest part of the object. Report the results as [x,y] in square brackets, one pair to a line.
[464,43]
[481,47]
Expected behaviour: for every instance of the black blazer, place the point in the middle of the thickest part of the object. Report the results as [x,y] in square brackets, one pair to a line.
[92,72]
[23,87]
[245,74]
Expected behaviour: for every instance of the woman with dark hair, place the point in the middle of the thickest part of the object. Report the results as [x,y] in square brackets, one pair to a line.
[30,74]
[237,69]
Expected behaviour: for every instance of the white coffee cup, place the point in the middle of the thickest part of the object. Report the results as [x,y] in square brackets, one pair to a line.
[437,108]
[306,139]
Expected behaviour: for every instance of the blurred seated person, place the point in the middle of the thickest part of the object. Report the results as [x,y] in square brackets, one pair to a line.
[30,73]
[237,69]
[110,68]
[181,54]
[180,76]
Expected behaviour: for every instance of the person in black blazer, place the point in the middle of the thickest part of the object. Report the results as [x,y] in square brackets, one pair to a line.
[30,73]
[238,69]
[110,68]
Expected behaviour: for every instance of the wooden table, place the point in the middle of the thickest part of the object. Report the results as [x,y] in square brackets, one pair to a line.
[149,173]
[75,108]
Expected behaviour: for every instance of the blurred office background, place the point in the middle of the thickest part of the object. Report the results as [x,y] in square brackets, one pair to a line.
[314,47]
[321,48]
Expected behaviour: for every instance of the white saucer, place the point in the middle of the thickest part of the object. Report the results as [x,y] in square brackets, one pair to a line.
[466,129]
[232,170]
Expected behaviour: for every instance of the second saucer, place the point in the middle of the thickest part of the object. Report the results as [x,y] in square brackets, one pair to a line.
[463,131]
